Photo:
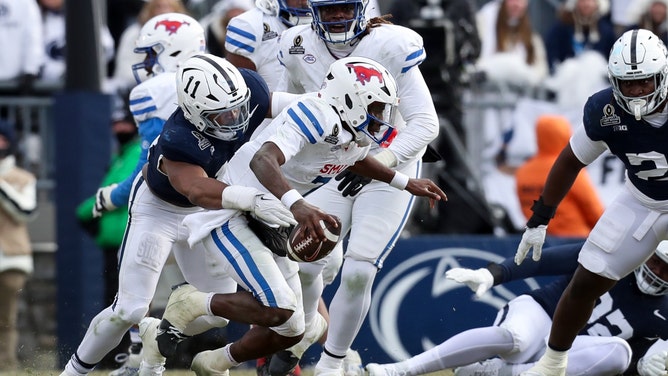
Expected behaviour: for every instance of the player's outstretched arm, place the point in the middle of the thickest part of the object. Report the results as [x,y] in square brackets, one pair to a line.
[559,181]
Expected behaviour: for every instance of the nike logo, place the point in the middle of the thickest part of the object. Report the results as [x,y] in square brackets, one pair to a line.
[657,314]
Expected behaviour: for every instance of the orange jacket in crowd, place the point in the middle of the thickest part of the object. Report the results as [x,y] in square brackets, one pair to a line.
[580,209]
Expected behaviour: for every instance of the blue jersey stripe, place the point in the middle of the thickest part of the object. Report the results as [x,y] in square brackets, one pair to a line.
[302,126]
[242,33]
[247,260]
[145,110]
[312,118]
[239,44]
[140,100]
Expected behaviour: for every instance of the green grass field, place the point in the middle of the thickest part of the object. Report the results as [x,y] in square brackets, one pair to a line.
[43,365]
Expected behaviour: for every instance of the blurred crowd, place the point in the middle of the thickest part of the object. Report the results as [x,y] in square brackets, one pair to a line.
[493,67]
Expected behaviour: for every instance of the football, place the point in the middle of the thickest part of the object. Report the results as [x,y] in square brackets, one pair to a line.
[304,248]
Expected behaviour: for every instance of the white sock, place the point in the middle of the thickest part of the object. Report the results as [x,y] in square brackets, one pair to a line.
[349,306]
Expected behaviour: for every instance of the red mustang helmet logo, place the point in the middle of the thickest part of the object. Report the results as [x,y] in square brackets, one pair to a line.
[171,26]
[364,74]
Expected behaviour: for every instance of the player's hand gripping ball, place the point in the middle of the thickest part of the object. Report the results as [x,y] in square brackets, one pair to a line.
[305,248]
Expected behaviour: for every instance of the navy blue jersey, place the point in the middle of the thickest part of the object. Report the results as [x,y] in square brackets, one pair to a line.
[180,141]
[623,312]
[640,146]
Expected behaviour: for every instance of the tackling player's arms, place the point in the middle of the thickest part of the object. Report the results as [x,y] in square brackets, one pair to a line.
[266,165]
[193,182]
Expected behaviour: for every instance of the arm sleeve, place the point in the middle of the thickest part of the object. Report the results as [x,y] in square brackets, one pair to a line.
[559,260]
[19,202]
[149,131]
[34,52]
[417,109]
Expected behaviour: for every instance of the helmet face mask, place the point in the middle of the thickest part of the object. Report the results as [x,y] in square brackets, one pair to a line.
[167,40]
[294,15]
[229,124]
[214,97]
[636,56]
[333,29]
[364,95]
[652,276]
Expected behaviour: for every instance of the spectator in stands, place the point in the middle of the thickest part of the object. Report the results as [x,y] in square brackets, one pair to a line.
[620,14]
[580,26]
[512,57]
[651,15]
[125,55]
[53,21]
[581,207]
[21,40]
[18,203]
[511,51]
[448,29]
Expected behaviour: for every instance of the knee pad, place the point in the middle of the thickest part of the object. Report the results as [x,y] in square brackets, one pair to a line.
[308,272]
[293,327]
[130,312]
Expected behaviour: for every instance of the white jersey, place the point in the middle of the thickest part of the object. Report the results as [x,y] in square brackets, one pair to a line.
[399,49]
[316,149]
[254,35]
[21,39]
[154,98]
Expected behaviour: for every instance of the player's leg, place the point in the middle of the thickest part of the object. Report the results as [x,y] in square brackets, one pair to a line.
[512,336]
[270,301]
[149,236]
[624,237]
[379,214]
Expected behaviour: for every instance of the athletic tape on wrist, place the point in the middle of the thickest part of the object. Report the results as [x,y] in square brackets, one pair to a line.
[290,197]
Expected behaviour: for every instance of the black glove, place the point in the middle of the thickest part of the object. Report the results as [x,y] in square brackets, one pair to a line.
[351,183]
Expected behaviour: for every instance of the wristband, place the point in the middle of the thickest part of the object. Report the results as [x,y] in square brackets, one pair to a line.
[541,213]
[290,197]
[399,181]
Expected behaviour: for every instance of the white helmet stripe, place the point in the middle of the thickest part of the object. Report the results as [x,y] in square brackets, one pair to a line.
[222,71]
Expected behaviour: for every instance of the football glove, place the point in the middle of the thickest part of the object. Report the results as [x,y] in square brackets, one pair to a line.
[351,183]
[654,365]
[103,200]
[261,205]
[479,280]
[532,237]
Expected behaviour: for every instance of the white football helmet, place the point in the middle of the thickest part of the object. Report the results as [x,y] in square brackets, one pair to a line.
[213,96]
[339,31]
[647,280]
[167,40]
[268,7]
[362,91]
[639,54]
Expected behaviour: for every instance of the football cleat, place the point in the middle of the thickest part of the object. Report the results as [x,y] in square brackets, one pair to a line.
[374,369]
[352,364]
[184,305]
[489,367]
[153,363]
[130,362]
[203,364]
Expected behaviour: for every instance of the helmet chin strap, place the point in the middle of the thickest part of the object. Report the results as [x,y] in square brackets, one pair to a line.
[358,137]
[636,106]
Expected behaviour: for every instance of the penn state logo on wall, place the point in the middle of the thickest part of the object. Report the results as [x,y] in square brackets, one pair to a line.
[414,307]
